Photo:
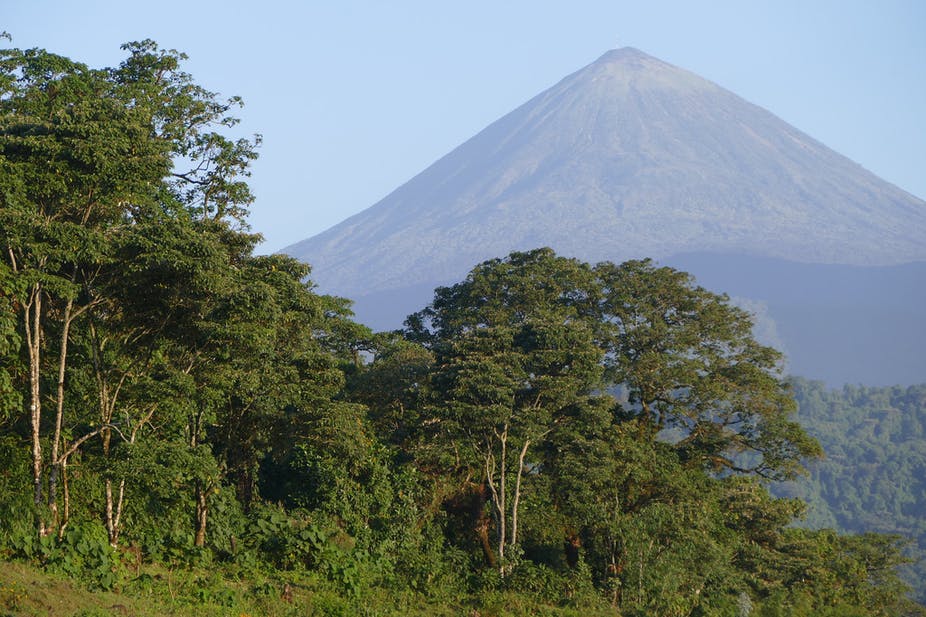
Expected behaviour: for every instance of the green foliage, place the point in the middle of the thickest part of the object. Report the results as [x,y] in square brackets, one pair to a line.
[84,553]
[690,365]
[16,531]
[10,397]
[839,575]
[873,478]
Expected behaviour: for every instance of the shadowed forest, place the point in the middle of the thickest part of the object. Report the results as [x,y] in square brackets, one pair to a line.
[193,426]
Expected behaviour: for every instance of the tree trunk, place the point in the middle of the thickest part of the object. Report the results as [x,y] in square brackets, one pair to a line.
[502,509]
[111,530]
[497,501]
[517,493]
[507,529]
[200,495]
[482,533]
[110,509]
[106,436]
[114,511]
[32,324]
[108,395]
[66,499]
[202,511]
[59,418]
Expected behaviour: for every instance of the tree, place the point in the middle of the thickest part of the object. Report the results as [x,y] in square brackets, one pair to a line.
[282,350]
[871,479]
[691,369]
[82,153]
[60,191]
[394,388]
[696,394]
[513,352]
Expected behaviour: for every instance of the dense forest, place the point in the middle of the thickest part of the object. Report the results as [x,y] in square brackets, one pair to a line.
[873,477]
[182,418]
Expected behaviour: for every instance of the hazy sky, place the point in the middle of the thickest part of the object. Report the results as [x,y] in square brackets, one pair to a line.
[354,98]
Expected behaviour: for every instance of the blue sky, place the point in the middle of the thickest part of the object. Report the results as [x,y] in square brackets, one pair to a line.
[354,97]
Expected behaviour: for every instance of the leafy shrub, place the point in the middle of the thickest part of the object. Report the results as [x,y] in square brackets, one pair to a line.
[294,541]
[536,579]
[85,554]
[16,531]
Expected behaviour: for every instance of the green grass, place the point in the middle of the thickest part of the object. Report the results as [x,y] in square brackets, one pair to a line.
[154,591]
[27,590]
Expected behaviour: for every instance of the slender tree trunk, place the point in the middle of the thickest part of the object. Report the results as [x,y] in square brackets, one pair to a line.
[507,533]
[114,511]
[107,402]
[117,522]
[502,510]
[497,493]
[32,323]
[59,418]
[116,518]
[111,531]
[113,506]
[51,498]
[517,493]
[202,511]
[201,496]
[66,499]
[109,508]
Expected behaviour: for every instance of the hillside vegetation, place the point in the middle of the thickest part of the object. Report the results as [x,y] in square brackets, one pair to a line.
[873,477]
[189,424]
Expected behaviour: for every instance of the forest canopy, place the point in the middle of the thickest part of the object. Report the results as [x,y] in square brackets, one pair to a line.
[584,436]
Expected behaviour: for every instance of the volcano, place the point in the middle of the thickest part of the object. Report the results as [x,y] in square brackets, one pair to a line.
[633,157]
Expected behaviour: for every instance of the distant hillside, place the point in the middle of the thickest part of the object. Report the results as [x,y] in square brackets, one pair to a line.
[628,157]
[874,475]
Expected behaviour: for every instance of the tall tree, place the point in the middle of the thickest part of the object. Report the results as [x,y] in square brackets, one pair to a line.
[513,352]
[81,151]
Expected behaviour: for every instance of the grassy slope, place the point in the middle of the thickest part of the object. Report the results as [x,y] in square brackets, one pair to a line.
[26,590]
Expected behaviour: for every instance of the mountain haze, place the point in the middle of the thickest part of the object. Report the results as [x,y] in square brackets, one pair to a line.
[628,157]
